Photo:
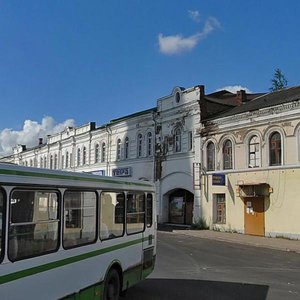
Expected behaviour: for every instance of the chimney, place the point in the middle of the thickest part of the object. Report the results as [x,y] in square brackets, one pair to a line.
[40,141]
[241,96]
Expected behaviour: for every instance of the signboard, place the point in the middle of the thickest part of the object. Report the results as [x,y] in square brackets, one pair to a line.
[99,172]
[218,179]
[122,172]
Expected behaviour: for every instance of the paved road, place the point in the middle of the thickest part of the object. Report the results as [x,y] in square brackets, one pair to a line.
[194,268]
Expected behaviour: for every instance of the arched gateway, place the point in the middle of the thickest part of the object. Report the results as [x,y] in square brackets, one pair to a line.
[181,204]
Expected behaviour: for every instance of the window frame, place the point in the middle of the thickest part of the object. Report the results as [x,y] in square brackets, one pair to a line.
[149,143]
[216,215]
[227,155]
[58,220]
[178,139]
[139,145]
[210,155]
[126,148]
[256,154]
[277,151]
[64,217]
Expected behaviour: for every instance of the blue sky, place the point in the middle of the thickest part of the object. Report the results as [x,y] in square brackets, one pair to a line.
[72,62]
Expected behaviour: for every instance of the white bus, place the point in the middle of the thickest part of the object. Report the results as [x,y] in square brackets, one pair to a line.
[68,235]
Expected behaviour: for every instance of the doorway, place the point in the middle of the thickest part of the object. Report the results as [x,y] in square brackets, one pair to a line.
[181,205]
[254,216]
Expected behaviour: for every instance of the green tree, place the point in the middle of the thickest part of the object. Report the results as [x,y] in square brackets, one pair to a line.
[279,81]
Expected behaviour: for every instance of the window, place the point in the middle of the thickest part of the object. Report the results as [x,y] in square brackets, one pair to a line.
[71,160]
[227,155]
[140,145]
[135,214]
[97,150]
[190,140]
[126,152]
[118,149]
[51,161]
[31,163]
[149,203]
[210,156]
[254,152]
[34,224]
[62,161]
[219,209]
[103,152]
[112,215]
[275,149]
[41,162]
[178,140]
[55,161]
[80,212]
[84,156]
[2,211]
[78,157]
[149,144]
[67,159]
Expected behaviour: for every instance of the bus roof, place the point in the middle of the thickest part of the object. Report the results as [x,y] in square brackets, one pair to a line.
[14,174]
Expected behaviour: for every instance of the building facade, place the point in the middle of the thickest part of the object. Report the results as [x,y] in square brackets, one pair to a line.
[251,167]
[230,160]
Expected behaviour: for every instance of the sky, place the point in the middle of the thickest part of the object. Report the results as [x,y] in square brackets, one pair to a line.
[67,63]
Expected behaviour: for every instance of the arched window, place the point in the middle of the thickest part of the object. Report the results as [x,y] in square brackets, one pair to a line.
[254,152]
[97,150]
[227,155]
[78,157]
[126,148]
[67,159]
[84,155]
[275,149]
[118,149]
[51,161]
[149,144]
[45,162]
[178,140]
[31,163]
[103,152]
[62,161]
[41,162]
[210,156]
[139,145]
[55,161]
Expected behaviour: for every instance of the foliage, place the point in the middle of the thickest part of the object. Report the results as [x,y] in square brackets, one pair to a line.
[279,81]
[200,225]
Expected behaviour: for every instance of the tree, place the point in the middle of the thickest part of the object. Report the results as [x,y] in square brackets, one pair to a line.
[279,81]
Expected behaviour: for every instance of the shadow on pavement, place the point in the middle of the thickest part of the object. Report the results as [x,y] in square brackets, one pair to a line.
[175,289]
[171,227]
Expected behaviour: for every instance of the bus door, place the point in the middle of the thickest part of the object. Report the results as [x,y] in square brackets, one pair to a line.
[148,237]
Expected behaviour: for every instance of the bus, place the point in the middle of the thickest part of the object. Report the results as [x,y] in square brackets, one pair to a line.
[68,235]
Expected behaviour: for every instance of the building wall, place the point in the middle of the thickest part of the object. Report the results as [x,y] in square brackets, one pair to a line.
[278,182]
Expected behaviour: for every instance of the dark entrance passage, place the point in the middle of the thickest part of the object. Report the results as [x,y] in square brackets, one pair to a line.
[181,203]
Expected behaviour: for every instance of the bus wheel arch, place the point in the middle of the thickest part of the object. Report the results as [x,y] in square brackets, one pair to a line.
[113,282]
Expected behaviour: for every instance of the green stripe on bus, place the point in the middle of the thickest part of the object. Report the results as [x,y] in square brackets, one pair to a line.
[68,177]
[66,261]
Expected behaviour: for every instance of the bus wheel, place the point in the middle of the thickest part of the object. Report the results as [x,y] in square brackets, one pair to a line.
[112,285]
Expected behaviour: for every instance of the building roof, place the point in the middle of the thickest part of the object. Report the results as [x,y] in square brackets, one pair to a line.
[262,101]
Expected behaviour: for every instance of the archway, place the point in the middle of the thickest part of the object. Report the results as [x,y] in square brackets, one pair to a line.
[181,204]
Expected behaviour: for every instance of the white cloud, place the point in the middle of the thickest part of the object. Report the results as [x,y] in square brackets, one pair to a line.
[30,133]
[177,44]
[234,88]
[194,15]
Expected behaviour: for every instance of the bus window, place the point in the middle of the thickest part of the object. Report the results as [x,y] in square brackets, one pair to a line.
[149,203]
[80,218]
[135,214]
[33,226]
[1,223]
[112,212]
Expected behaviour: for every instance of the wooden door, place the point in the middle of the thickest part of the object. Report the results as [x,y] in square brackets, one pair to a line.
[254,216]
[189,206]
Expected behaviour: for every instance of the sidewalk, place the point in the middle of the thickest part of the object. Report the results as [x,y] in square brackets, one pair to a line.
[257,241]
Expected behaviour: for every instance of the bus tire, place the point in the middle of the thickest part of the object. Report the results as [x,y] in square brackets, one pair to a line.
[112,285]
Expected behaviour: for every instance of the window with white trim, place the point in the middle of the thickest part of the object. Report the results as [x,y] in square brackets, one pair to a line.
[139,145]
[210,155]
[275,149]
[254,152]
[227,155]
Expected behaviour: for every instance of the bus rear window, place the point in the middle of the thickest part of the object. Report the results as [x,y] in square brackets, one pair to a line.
[33,226]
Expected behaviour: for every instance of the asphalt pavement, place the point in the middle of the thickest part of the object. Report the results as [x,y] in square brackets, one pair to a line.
[258,241]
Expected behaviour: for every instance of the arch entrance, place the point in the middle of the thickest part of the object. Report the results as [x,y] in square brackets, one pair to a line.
[181,204]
